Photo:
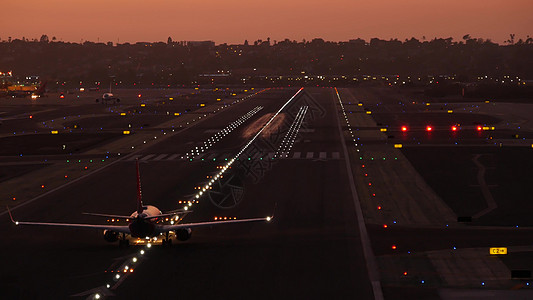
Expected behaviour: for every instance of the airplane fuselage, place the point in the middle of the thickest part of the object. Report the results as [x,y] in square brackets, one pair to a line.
[142,227]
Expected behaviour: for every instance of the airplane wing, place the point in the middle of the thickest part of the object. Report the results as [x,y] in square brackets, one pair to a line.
[107,216]
[115,228]
[167,228]
[168,215]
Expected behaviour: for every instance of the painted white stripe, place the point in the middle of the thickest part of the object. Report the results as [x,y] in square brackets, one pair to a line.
[134,157]
[160,157]
[173,156]
[297,155]
[322,155]
[147,157]
[336,155]
[310,155]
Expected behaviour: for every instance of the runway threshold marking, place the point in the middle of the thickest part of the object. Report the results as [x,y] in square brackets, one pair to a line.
[371,264]
[134,157]
[147,157]
[173,156]
[160,157]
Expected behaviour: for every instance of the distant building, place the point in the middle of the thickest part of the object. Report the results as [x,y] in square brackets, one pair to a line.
[208,44]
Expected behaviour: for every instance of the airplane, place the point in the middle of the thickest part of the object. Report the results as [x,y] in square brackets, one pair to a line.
[108,97]
[145,222]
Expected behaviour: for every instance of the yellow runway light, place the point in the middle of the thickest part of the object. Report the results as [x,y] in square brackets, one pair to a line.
[54,132]
[383,129]
[368,112]
[126,132]
[398,146]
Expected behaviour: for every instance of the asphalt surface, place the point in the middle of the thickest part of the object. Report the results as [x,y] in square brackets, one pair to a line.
[310,250]
[412,197]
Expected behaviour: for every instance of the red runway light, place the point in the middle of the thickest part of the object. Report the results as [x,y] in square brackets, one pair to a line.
[479,128]
[385,226]
[393,247]
[404,128]
[454,128]
[429,128]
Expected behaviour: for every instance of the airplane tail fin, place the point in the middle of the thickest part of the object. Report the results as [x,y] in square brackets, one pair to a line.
[139,194]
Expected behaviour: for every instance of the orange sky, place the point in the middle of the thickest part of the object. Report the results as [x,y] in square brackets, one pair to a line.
[233,21]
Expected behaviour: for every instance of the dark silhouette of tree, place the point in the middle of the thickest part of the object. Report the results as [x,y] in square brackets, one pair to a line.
[44,38]
[511,38]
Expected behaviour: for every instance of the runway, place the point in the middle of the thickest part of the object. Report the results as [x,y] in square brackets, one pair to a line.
[408,239]
[311,249]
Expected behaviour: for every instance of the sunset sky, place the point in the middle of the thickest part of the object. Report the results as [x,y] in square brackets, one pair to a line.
[233,21]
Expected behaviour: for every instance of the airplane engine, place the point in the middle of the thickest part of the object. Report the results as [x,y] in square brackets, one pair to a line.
[183,234]
[110,236]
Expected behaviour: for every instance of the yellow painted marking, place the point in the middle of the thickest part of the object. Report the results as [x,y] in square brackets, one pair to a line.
[498,250]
